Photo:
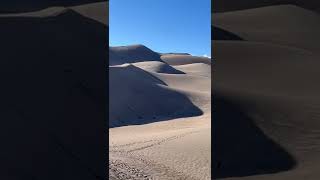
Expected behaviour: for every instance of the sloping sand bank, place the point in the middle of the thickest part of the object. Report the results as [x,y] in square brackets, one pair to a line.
[266,96]
[53,78]
[160,114]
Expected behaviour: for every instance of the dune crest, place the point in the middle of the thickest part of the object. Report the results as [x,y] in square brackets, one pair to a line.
[158,112]
[265,87]
[52,68]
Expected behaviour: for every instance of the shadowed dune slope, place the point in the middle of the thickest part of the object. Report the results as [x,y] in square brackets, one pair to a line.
[145,89]
[131,54]
[52,89]
[271,96]
[14,6]
[232,5]
[240,148]
[137,97]
[98,11]
[159,120]
[286,25]
[266,99]
[220,34]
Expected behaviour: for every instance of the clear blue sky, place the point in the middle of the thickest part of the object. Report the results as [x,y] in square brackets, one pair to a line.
[162,25]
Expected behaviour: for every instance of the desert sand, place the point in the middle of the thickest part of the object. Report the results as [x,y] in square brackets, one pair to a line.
[159,115]
[265,94]
[53,74]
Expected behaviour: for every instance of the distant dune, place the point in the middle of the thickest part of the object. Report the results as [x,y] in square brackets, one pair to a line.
[174,54]
[158,67]
[266,99]
[174,59]
[131,54]
[159,114]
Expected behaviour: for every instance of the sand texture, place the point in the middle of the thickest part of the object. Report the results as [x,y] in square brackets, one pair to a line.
[159,115]
[266,95]
[53,76]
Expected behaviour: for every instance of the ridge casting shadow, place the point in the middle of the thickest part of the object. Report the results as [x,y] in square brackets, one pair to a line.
[173,104]
[240,148]
[221,34]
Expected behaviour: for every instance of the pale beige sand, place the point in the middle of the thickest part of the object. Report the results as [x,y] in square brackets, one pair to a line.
[174,59]
[170,146]
[200,69]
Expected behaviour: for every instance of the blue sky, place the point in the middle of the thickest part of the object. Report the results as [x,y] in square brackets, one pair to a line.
[162,25]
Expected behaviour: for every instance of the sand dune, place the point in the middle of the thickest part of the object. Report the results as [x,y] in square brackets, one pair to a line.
[231,5]
[15,6]
[131,54]
[221,34]
[265,87]
[158,67]
[283,25]
[174,59]
[137,97]
[159,116]
[52,69]
[200,69]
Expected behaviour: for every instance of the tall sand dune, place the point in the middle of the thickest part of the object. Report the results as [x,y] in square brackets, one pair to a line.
[266,99]
[286,25]
[159,115]
[130,54]
[53,65]
[137,97]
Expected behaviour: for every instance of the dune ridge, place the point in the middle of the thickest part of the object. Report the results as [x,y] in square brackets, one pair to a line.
[155,110]
[265,87]
[47,135]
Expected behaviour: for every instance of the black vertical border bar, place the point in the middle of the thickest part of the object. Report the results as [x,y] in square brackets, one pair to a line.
[213,164]
[107,93]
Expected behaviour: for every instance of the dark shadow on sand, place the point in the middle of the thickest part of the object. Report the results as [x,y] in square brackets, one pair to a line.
[173,104]
[53,73]
[15,6]
[221,34]
[239,147]
[232,5]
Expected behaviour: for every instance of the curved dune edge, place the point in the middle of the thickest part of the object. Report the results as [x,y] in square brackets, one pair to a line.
[231,5]
[265,88]
[26,6]
[47,135]
[96,11]
[159,137]
[174,59]
[282,25]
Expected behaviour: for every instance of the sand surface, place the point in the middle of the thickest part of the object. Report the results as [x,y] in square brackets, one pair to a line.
[53,111]
[160,119]
[266,96]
